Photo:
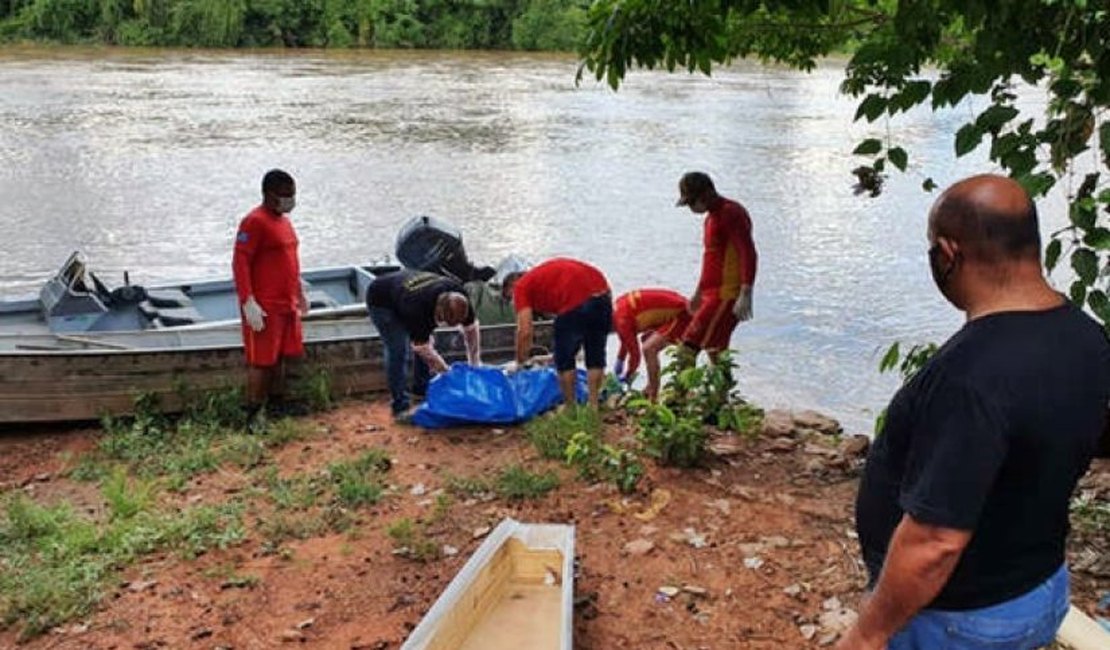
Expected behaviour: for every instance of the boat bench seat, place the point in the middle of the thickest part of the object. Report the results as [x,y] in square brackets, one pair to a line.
[170,316]
[318,299]
[168,298]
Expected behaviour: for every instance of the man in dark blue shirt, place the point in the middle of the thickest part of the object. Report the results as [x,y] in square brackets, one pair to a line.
[962,512]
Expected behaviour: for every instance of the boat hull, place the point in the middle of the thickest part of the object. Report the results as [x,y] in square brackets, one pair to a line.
[76,378]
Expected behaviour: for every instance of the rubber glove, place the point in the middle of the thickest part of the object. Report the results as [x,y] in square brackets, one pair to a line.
[618,369]
[742,309]
[252,311]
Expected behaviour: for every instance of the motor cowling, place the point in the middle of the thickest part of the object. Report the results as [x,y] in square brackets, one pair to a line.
[428,244]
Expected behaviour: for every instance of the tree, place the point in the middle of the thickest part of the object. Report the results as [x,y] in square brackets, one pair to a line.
[979,48]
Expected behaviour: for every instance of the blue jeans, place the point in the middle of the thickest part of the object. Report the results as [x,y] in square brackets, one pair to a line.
[398,351]
[1028,621]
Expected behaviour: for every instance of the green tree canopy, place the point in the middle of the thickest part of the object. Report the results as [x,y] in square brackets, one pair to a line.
[908,53]
[453,24]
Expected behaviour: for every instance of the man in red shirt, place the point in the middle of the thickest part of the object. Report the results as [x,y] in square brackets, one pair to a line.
[662,316]
[723,297]
[579,297]
[268,282]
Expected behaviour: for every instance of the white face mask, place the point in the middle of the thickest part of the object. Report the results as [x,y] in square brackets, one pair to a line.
[285,204]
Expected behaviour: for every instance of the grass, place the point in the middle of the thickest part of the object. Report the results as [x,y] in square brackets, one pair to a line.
[230,579]
[551,433]
[410,540]
[513,482]
[309,505]
[313,387]
[1090,515]
[209,434]
[359,482]
[516,483]
[58,564]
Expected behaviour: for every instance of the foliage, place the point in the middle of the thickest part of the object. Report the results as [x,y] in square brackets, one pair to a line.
[551,433]
[517,483]
[674,430]
[206,435]
[359,482]
[597,461]
[1091,515]
[550,25]
[59,564]
[454,24]
[514,482]
[410,540]
[908,366]
[978,48]
[314,389]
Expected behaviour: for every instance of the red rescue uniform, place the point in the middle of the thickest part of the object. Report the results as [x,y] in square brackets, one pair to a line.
[728,262]
[557,286]
[265,265]
[644,310]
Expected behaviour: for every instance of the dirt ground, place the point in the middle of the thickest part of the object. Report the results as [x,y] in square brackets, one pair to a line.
[762,537]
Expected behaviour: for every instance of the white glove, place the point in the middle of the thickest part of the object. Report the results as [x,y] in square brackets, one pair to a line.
[742,309]
[511,367]
[252,311]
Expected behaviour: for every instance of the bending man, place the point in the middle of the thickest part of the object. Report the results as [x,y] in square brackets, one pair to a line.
[578,294]
[662,315]
[406,307]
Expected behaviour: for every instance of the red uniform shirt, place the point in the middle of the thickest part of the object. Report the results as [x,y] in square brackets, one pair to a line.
[265,262]
[558,286]
[643,310]
[729,259]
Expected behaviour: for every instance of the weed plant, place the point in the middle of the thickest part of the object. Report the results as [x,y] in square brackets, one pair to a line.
[58,564]
[410,540]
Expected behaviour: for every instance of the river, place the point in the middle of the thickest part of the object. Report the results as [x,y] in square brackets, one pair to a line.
[146,160]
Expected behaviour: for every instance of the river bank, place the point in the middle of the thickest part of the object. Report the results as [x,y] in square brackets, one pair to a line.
[757,545]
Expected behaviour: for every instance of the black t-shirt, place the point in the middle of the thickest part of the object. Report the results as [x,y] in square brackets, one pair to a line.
[412,296]
[991,436]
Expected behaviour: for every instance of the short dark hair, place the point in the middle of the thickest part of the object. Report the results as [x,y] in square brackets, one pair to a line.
[993,234]
[274,179]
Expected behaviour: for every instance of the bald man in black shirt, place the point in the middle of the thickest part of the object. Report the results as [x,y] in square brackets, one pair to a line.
[962,512]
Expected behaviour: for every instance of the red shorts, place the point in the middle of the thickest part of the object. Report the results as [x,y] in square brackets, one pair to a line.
[281,337]
[712,326]
[673,329]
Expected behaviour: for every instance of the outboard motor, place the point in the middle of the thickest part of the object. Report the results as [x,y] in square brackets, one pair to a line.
[429,244]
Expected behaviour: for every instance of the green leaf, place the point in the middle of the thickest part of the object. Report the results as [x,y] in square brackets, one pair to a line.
[871,107]
[1052,254]
[890,359]
[914,93]
[1078,293]
[994,117]
[1083,213]
[1085,263]
[897,157]
[967,139]
[1098,239]
[1100,305]
[1036,184]
[868,147]
[929,185]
